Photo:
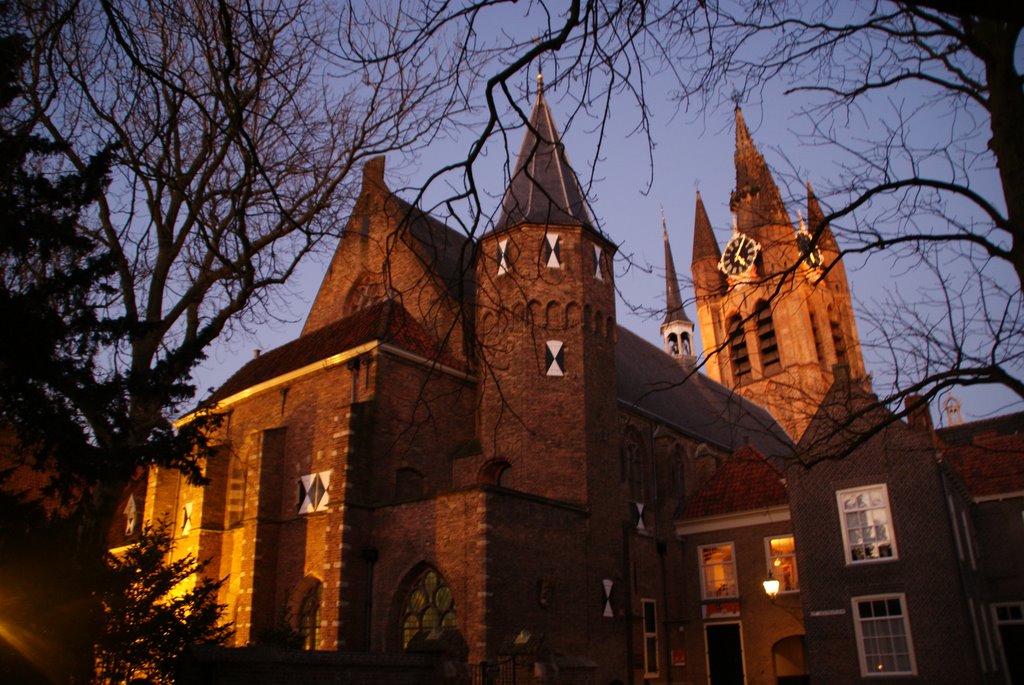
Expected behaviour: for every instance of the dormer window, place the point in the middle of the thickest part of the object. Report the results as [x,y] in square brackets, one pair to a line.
[552,251]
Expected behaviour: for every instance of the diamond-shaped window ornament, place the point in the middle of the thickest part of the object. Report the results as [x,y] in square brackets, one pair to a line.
[554,360]
[502,257]
[597,263]
[552,251]
[313,492]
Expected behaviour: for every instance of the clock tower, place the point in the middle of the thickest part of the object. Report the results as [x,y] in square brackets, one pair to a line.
[774,305]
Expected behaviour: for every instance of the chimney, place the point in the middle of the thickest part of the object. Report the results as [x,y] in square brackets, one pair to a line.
[918,414]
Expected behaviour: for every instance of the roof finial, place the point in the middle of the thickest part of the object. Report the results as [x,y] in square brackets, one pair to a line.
[664,226]
[803,226]
[540,82]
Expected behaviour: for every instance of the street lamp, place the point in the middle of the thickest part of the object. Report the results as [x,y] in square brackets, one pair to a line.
[771,586]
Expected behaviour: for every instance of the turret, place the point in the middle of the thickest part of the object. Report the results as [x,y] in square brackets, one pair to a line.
[677,329]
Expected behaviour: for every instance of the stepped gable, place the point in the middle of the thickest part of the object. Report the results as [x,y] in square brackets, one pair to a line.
[544,188]
[673,299]
[386,321]
[746,482]
[988,455]
[651,382]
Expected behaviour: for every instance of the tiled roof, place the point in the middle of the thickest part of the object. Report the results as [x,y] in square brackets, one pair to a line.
[746,482]
[386,321]
[654,383]
[988,455]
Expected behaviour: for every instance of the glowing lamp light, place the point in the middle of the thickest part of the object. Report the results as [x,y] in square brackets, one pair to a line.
[771,586]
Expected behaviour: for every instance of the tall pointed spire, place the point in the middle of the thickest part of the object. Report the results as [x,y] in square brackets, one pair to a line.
[544,188]
[673,299]
[756,200]
[704,244]
[815,218]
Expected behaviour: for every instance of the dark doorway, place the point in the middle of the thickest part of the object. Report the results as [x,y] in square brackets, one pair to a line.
[725,653]
[1012,635]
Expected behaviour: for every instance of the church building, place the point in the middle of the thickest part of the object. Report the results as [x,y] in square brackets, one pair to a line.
[463,470]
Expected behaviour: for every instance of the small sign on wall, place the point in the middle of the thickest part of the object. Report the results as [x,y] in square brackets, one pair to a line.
[678,657]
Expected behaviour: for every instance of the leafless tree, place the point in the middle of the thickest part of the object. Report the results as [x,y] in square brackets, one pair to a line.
[941,207]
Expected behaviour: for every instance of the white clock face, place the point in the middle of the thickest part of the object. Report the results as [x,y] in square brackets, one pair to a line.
[739,255]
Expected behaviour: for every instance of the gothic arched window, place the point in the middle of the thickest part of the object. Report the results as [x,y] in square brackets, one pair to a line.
[738,354]
[838,337]
[768,344]
[309,616]
[428,607]
[633,457]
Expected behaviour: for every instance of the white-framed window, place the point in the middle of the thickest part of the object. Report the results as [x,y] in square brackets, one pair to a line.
[718,571]
[650,617]
[780,553]
[313,492]
[866,524]
[883,635]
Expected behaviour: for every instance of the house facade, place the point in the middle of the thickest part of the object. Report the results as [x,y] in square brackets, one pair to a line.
[463,456]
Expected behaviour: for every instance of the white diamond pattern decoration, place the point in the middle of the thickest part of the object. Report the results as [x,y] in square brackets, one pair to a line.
[640,516]
[313,492]
[597,263]
[608,583]
[186,518]
[502,257]
[130,516]
[554,360]
[552,251]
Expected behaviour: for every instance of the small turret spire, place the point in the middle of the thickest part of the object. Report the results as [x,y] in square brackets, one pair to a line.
[815,218]
[677,330]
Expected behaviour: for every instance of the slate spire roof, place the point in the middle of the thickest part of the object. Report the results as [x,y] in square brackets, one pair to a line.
[756,199]
[544,188]
[704,244]
[673,299]
[816,217]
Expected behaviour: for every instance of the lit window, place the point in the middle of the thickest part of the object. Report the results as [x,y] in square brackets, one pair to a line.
[309,617]
[718,571]
[866,524]
[781,555]
[428,608]
[313,492]
[130,516]
[650,616]
[883,635]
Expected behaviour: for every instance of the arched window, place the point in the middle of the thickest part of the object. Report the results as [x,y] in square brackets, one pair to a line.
[496,472]
[738,354]
[767,343]
[818,349]
[309,616]
[838,338]
[633,457]
[429,607]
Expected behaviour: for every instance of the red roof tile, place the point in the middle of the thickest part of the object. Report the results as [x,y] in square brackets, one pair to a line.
[746,482]
[387,322]
[993,465]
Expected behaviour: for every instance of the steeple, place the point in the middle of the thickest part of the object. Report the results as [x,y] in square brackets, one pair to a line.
[756,201]
[704,244]
[815,217]
[677,330]
[544,188]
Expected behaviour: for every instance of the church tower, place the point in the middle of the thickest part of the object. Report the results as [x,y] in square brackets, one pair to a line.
[677,329]
[546,327]
[774,304]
